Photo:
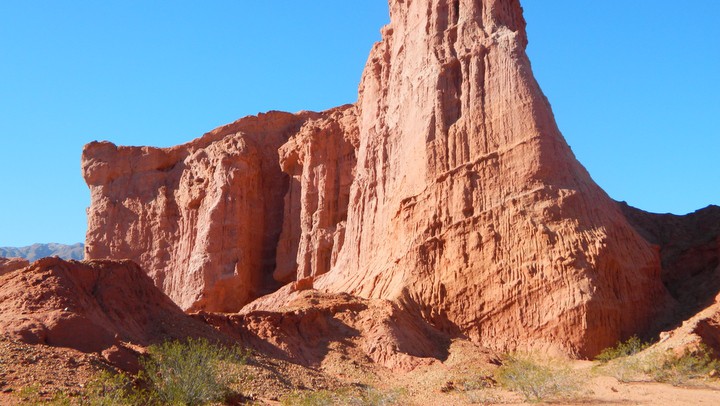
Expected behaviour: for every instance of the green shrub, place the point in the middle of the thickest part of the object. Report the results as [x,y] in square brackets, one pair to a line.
[537,381]
[632,346]
[679,370]
[190,373]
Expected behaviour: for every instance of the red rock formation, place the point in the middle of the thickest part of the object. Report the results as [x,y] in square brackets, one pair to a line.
[95,306]
[320,160]
[447,190]
[8,265]
[690,251]
[469,207]
[204,218]
[313,325]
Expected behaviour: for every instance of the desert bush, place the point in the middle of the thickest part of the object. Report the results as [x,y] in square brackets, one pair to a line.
[625,369]
[190,373]
[680,369]
[537,380]
[632,346]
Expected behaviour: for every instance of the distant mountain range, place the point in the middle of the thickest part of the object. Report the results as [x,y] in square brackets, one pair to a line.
[37,251]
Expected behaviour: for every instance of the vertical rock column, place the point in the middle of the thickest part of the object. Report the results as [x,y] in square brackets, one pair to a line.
[320,160]
[468,206]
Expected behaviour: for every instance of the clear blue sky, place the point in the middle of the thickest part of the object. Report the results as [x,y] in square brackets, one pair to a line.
[635,87]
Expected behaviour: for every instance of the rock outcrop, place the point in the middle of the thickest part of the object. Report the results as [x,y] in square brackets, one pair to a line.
[320,160]
[690,252]
[447,190]
[8,265]
[95,306]
[313,326]
[469,207]
[204,219]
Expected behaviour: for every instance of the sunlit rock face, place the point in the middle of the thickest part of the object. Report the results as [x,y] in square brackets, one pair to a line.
[469,207]
[204,218]
[447,190]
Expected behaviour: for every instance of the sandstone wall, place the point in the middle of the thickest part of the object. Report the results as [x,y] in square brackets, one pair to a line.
[447,189]
[320,160]
[469,207]
[203,218]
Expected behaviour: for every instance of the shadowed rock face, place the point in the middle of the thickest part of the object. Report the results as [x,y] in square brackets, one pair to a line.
[690,252]
[447,190]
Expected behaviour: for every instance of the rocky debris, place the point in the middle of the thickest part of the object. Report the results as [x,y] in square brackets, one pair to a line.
[107,307]
[312,327]
[8,265]
[49,369]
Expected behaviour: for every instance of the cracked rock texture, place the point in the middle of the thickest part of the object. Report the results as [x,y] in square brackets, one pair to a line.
[447,190]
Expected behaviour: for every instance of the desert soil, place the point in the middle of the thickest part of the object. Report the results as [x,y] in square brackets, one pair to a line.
[33,373]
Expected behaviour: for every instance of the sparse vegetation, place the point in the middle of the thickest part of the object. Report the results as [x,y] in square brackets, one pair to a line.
[348,396]
[537,380]
[690,365]
[191,372]
[626,363]
[632,346]
[114,389]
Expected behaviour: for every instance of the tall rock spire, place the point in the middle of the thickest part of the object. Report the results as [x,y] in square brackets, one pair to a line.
[469,207]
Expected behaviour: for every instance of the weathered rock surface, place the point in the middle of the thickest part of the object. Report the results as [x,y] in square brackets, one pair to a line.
[205,218]
[313,326]
[447,192]
[469,207]
[320,160]
[11,264]
[95,306]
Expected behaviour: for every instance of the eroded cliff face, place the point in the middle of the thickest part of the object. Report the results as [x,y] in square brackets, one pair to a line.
[469,207]
[447,190]
[203,218]
[320,160]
